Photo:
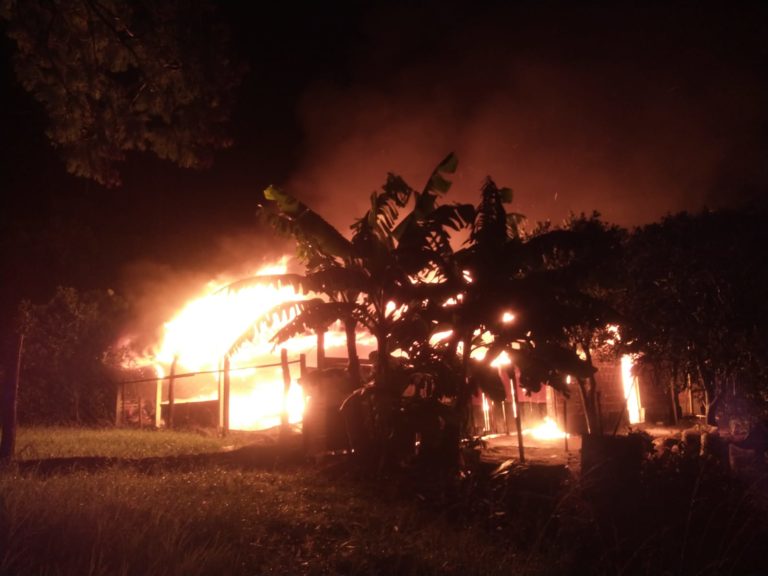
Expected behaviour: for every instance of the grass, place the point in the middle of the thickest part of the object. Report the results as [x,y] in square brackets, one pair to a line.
[60,442]
[237,516]
[216,520]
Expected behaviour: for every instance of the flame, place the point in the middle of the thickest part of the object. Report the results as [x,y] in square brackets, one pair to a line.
[631,392]
[486,412]
[204,331]
[502,359]
[547,430]
[440,336]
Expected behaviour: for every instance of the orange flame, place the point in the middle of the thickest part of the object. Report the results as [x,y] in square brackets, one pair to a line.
[547,430]
[204,331]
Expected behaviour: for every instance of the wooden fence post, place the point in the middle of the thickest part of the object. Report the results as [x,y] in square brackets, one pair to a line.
[119,404]
[286,387]
[158,402]
[171,391]
[225,429]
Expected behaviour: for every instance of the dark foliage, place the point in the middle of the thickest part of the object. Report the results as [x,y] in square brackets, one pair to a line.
[116,76]
[69,360]
[695,303]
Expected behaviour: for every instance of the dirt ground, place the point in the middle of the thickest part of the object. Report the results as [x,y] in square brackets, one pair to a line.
[502,447]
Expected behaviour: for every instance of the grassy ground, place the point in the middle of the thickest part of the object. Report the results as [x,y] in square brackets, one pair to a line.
[59,442]
[212,519]
[99,502]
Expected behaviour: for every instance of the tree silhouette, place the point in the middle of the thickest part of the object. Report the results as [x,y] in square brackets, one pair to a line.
[370,279]
[115,76]
[695,303]
[69,357]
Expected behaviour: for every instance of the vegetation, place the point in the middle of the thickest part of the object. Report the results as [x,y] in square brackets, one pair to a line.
[694,305]
[38,443]
[69,359]
[114,77]
[681,516]
[685,300]
[400,279]
[213,520]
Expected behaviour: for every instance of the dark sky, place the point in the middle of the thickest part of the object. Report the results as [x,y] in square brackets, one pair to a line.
[631,109]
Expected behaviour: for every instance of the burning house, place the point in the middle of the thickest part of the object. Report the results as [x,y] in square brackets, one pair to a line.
[216,367]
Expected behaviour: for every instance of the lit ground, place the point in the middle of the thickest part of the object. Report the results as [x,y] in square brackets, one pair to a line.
[499,448]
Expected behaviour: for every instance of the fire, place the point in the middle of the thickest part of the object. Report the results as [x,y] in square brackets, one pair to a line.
[547,430]
[502,359]
[203,332]
[631,393]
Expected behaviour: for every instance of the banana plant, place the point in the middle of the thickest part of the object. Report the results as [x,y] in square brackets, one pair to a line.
[363,280]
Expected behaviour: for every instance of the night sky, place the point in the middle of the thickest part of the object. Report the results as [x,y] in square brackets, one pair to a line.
[634,110]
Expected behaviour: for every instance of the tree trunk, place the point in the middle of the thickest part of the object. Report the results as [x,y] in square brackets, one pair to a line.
[518,418]
[9,409]
[592,396]
[464,398]
[585,404]
[353,366]
[711,395]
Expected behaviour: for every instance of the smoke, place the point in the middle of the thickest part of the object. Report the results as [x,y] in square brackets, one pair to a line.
[157,290]
[632,112]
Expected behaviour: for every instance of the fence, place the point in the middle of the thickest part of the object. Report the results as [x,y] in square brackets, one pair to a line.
[140,401]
